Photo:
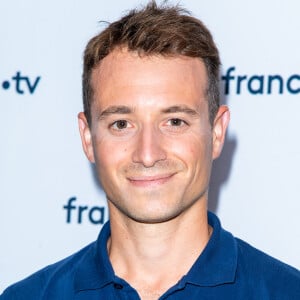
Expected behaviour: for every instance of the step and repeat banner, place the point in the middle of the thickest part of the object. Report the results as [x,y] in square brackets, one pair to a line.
[50,203]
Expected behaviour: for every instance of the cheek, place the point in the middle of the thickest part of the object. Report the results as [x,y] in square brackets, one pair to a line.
[196,154]
[192,149]
[109,155]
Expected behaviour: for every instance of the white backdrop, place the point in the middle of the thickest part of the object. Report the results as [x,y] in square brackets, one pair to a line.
[255,183]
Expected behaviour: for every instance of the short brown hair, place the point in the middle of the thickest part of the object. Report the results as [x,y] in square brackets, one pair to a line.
[155,30]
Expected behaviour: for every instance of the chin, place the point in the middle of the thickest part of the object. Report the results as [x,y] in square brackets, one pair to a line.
[157,217]
[152,220]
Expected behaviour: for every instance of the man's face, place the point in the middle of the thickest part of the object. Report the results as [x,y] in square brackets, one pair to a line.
[150,137]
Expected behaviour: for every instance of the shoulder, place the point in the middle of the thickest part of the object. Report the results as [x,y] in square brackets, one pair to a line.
[59,274]
[264,272]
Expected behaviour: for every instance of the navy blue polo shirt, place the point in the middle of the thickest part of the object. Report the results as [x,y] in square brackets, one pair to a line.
[228,268]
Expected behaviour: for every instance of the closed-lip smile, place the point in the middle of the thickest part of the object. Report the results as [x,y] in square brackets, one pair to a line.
[154,180]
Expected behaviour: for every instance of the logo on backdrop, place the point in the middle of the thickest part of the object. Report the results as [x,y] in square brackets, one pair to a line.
[234,83]
[79,214]
[259,84]
[21,84]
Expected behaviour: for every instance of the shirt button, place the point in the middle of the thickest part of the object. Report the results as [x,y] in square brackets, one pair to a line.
[118,286]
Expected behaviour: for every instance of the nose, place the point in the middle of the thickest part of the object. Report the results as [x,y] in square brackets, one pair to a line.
[149,147]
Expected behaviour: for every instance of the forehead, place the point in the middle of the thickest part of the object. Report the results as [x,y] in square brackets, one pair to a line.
[123,74]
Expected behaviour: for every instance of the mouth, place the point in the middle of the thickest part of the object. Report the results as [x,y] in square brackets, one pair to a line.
[150,181]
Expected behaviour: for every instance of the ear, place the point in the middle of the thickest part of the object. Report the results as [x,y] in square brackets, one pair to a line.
[219,130]
[86,137]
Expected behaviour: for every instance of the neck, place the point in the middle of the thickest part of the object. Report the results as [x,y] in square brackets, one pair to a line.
[144,254]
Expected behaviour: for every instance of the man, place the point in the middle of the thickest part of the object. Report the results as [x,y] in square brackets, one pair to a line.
[152,125]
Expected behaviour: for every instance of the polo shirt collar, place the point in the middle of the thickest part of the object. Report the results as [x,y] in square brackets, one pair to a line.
[216,265]
[95,270]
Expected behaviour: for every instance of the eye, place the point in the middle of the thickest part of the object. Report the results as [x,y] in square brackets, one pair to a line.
[175,125]
[120,124]
[176,122]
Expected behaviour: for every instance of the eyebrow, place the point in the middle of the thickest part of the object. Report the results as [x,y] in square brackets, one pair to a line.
[115,109]
[180,109]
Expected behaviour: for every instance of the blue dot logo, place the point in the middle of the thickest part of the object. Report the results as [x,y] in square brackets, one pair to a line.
[6,85]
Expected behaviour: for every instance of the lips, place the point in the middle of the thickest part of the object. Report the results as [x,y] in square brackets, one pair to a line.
[150,181]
